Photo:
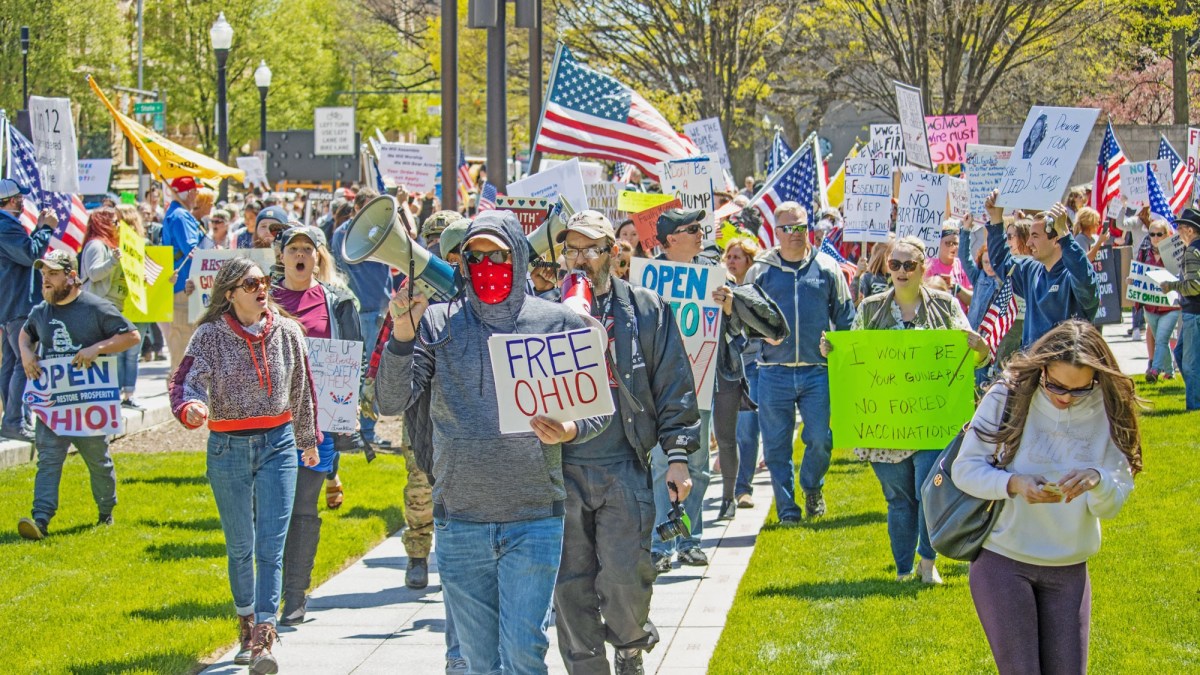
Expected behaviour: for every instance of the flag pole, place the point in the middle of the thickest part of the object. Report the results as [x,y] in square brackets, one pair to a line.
[535,157]
[782,169]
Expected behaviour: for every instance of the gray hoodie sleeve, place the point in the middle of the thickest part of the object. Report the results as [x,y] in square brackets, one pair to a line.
[405,371]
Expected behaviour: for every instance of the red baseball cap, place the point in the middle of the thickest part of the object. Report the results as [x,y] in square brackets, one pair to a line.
[184,184]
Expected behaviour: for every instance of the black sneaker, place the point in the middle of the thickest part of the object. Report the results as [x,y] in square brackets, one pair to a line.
[814,504]
[105,519]
[293,613]
[628,661]
[728,509]
[662,563]
[17,435]
[33,530]
[416,576]
[132,404]
[693,557]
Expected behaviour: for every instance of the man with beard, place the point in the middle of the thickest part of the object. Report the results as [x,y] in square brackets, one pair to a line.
[606,576]
[70,322]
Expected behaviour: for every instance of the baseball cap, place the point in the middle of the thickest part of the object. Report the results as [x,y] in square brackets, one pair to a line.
[11,188]
[438,222]
[184,184]
[58,260]
[487,236]
[589,223]
[673,219]
[951,226]
[314,234]
[273,213]
[453,235]
[222,213]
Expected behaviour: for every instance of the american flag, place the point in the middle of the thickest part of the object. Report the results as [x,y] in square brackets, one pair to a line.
[999,317]
[780,152]
[1108,175]
[623,172]
[849,269]
[590,114]
[465,184]
[795,181]
[153,269]
[72,216]
[1181,181]
[487,198]
[1158,201]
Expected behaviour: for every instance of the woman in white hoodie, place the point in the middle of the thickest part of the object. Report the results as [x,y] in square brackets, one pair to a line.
[1069,451]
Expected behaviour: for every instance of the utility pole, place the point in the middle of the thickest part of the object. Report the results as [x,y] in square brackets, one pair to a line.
[497,103]
[450,147]
[141,188]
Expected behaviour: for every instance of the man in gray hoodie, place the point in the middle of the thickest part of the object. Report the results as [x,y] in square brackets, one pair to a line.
[499,500]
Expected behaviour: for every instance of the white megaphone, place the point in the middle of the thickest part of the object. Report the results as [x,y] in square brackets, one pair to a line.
[376,234]
[544,239]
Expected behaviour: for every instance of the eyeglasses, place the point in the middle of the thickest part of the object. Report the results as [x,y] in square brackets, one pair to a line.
[589,253]
[497,257]
[694,228]
[794,229]
[218,220]
[1063,391]
[1157,235]
[908,265]
[253,284]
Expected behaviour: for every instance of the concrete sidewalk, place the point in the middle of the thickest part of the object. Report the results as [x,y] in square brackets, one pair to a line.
[365,620]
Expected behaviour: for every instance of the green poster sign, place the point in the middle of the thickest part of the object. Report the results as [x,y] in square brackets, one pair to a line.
[901,389]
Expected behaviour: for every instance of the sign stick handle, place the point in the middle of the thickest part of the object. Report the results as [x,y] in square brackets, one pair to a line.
[959,368]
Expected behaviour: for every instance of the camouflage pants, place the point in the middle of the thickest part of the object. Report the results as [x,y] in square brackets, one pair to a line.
[418,509]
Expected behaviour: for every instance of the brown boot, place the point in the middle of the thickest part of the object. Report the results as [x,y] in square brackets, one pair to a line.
[245,635]
[262,661]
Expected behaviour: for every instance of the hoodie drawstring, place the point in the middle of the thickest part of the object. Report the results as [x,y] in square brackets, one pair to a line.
[257,368]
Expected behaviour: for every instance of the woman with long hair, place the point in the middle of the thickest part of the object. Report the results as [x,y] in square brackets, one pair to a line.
[873,277]
[1057,442]
[740,253]
[1160,321]
[245,373]
[100,270]
[909,305]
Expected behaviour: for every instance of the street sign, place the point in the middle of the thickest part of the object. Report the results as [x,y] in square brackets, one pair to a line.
[149,107]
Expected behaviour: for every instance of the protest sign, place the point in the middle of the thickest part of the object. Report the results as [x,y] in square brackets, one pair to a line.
[413,166]
[333,131]
[530,212]
[256,175]
[1135,186]
[922,207]
[54,146]
[868,201]
[887,140]
[206,264]
[563,376]
[564,179]
[707,136]
[949,136]
[633,202]
[1193,151]
[1108,288]
[1171,250]
[336,368]
[603,197]
[160,292]
[133,265]
[688,290]
[591,172]
[912,125]
[1044,156]
[73,401]
[958,193]
[646,222]
[94,175]
[899,389]
[984,166]
[692,181]
[1144,285]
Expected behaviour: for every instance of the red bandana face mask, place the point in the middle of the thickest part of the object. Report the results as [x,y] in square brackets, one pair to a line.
[492,281]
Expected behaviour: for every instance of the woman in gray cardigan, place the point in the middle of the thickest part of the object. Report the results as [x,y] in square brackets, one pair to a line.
[100,269]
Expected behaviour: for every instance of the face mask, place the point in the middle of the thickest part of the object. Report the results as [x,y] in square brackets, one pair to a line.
[492,281]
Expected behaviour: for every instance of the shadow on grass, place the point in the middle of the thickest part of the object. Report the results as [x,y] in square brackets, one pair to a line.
[197,525]
[161,662]
[186,611]
[14,538]
[843,590]
[178,481]
[1171,412]
[392,515]
[172,552]
[836,522]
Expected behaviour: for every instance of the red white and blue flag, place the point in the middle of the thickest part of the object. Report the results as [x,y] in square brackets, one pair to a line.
[487,198]
[72,216]
[999,317]
[1108,174]
[1182,182]
[794,181]
[780,152]
[1159,205]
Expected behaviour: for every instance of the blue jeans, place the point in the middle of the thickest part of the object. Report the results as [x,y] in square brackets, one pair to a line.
[369,323]
[52,453]
[1162,326]
[901,484]
[127,369]
[747,437]
[453,648]
[499,577]
[693,506]
[12,375]
[782,390]
[1189,363]
[253,479]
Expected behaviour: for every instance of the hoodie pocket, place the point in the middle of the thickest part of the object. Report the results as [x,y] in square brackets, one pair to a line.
[497,479]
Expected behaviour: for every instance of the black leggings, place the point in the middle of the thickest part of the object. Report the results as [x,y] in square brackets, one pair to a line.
[727,401]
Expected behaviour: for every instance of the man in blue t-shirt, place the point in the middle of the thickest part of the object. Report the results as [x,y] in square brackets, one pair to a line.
[181,231]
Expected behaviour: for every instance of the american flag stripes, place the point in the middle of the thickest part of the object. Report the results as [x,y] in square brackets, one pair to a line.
[780,152]
[72,216]
[1108,175]
[795,181]
[1158,201]
[1182,182]
[487,198]
[999,317]
[849,269]
[153,269]
[590,114]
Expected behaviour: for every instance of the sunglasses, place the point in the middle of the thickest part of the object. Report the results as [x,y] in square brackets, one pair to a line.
[794,229]
[694,228]
[253,284]
[908,265]
[1157,235]
[497,257]
[1063,391]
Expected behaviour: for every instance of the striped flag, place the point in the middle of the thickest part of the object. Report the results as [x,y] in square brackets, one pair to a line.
[779,154]
[795,181]
[72,216]
[1108,175]
[1158,201]
[999,317]
[72,222]
[590,114]
[1182,182]
[487,198]
[153,270]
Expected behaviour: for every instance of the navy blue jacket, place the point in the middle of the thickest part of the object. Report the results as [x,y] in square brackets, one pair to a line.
[21,283]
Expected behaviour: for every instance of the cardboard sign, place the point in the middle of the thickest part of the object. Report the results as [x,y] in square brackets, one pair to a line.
[707,136]
[899,389]
[206,264]
[949,136]
[868,201]
[1171,250]
[634,202]
[984,165]
[1193,151]
[563,376]
[160,292]
[603,197]
[133,265]
[1108,287]
[256,175]
[54,146]
[333,131]
[1135,184]
[413,166]
[922,208]
[74,401]
[958,194]
[646,222]
[1044,156]
[531,213]
[688,290]
[692,181]
[590,171]
[94,175]
[564,179]
[912,125]
[1144,285]
[887,141]
[336,367]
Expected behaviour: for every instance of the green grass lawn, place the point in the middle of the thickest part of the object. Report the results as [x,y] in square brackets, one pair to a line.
[151,593]
[822,597]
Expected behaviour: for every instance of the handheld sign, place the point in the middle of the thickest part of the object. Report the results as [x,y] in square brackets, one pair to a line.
[688,290]
[1171,250]
[1193,151]
[899,389]
[564,179]
[74,401]
[603,197]
[984,166]
[1144,285]
[133,265]
[530,212]
[1135,181]
[256,174]
[160,292]
[949,136]
[416,167]
[1044,156]
[563,376]
[868,202]
[1108,286]
[912,124]
[922,208]
[94,175]
[959,196]
[692,181]
[887,141]
[206,264]
[646,222]
[633,202]
[707,136]
[54,145]
[336,367]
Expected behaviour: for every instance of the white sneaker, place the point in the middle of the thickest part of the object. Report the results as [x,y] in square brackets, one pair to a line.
[1137,334]
[928,572]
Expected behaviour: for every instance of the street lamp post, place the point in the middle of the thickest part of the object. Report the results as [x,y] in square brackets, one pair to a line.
[25,66]
[262,78]
[221,35]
